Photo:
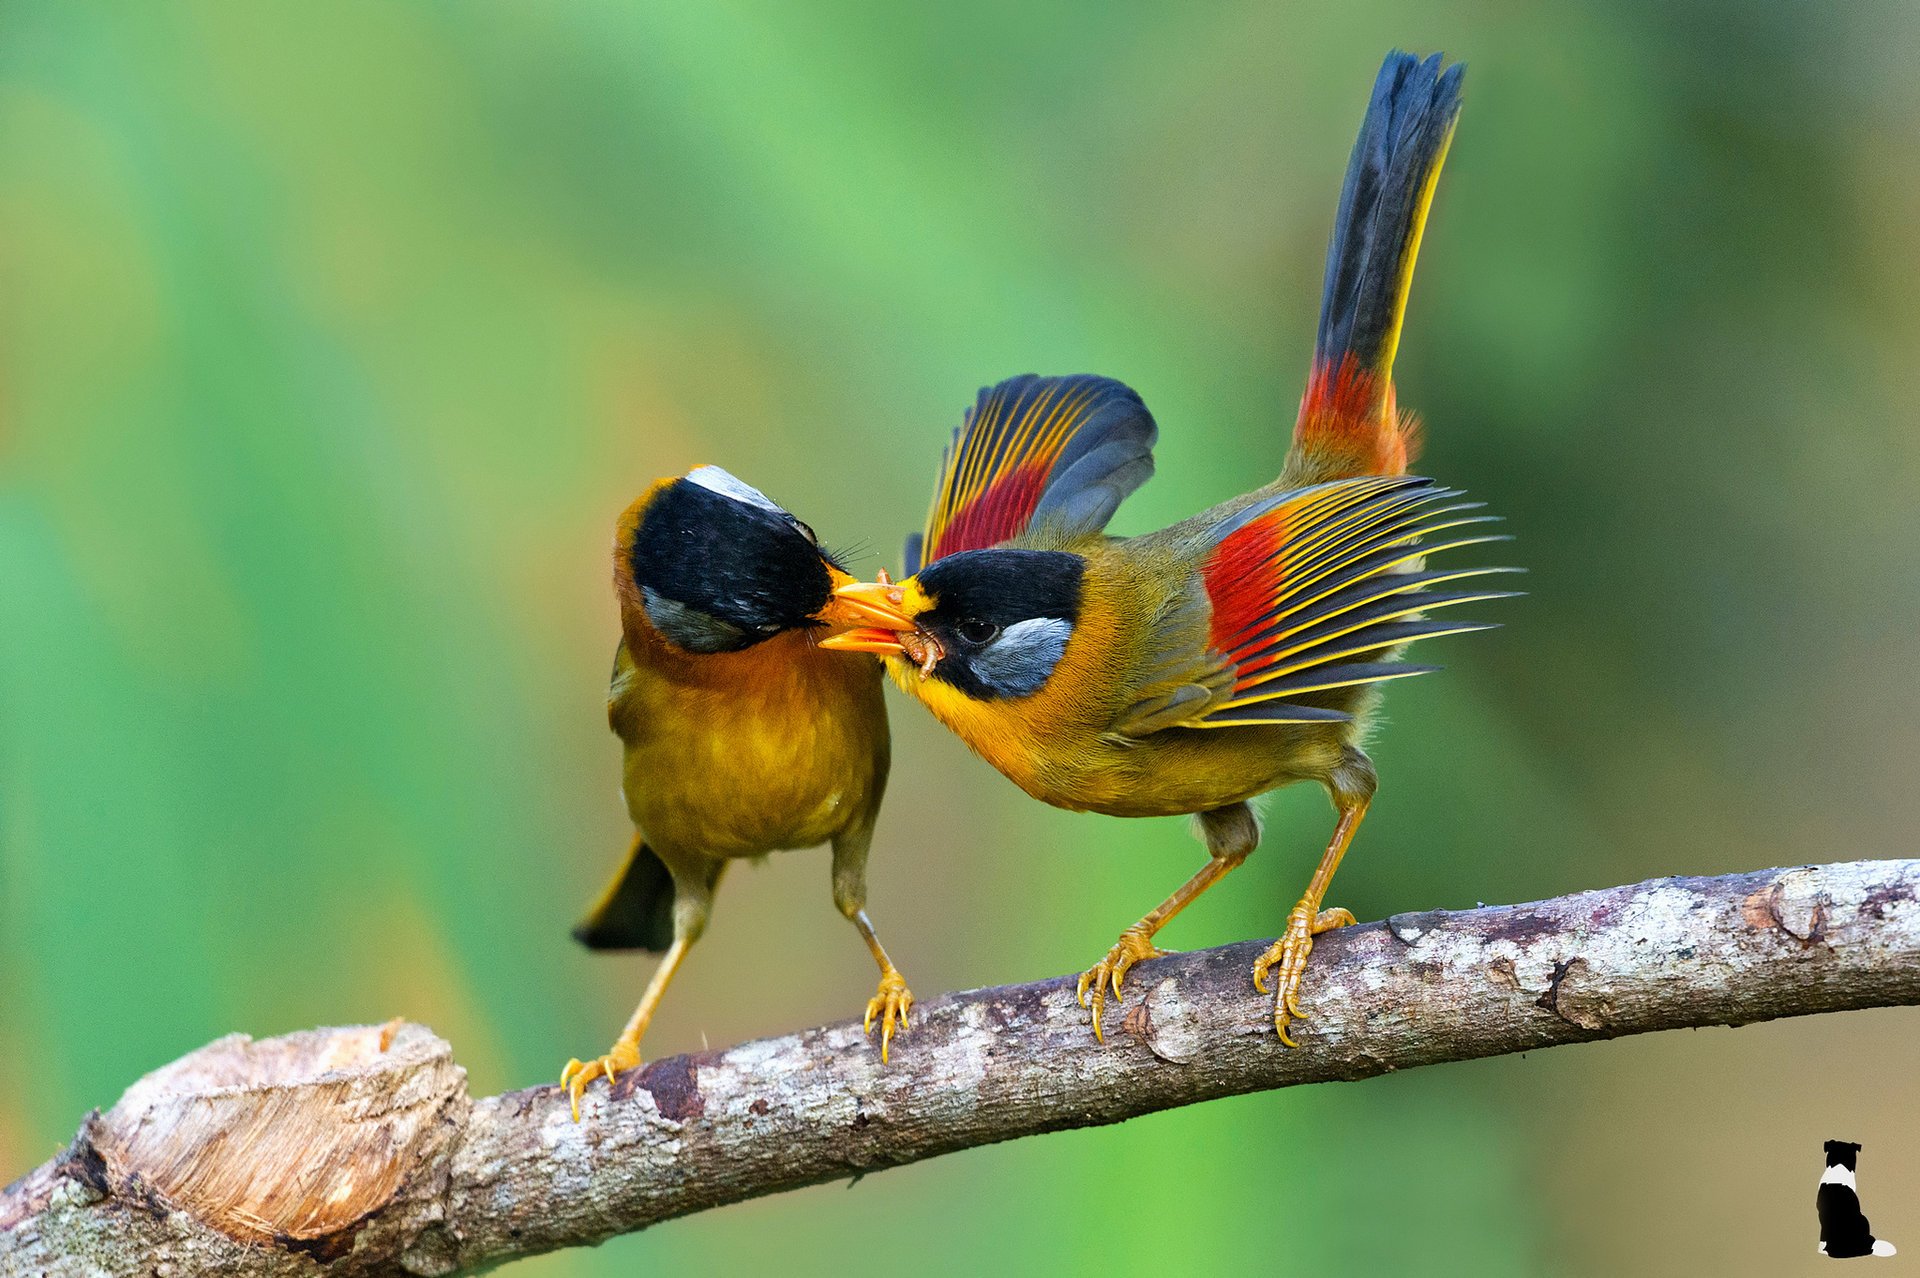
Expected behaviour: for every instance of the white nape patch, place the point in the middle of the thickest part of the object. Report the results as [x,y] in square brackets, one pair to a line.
[1881,1247]
[716,480]
[1838,1175]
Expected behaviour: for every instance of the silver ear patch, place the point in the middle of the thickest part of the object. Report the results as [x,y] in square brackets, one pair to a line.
[713,479]
[1023,657]
[690,628]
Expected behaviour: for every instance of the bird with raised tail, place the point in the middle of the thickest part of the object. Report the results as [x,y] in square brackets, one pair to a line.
[1189,670]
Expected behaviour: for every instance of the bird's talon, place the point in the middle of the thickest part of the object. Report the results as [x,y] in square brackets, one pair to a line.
[1290,954]
[575,1078]
[889,1006]
[1132,947]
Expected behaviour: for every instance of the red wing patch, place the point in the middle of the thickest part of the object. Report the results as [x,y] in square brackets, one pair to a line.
[1032,448]
[998,513]
[1310,590]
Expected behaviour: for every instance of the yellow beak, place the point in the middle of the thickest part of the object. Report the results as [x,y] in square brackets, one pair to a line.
[870,611]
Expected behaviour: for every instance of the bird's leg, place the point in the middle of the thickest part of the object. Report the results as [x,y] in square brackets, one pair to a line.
[1306,921]
[1352,789]
[893,1000]
[692,906]
[1231,833]
[625,1052]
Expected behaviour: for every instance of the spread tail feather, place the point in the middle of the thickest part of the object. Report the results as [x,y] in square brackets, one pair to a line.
[636,910]
[1348,424]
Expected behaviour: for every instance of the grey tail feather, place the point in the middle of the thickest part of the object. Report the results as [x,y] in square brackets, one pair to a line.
[636,910]
[1382,205]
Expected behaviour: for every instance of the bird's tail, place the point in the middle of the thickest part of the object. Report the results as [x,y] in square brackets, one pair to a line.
[636,910]
[1348,424]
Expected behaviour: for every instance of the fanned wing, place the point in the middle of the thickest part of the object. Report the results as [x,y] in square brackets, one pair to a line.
[1311,589]
[1059,450]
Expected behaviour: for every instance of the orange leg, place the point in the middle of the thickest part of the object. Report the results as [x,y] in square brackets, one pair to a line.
[893,1000]
[1231,834]
[1306,921]
[625,1052]
[692,906]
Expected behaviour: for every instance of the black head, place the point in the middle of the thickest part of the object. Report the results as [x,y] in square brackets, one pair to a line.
[718,567]
[1841,1153]
[1002,618]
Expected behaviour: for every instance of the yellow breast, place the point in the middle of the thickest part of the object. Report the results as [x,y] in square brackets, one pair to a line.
[740,754]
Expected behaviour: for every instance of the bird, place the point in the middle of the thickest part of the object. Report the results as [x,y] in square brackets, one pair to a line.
[1187,671]
[741,736]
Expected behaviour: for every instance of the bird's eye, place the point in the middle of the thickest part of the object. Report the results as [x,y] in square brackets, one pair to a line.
[977,634]
[804,530]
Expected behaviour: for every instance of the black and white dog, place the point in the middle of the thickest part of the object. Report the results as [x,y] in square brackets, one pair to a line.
[1843,1226]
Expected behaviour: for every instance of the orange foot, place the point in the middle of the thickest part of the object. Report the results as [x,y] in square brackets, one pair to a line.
[891,1003]
[1289,953]
[622,1056]
[1132,947]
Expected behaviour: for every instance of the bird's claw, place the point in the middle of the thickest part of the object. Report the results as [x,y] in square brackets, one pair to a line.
[890,1004]
[1289,954]
[1132,947]
[620,1058]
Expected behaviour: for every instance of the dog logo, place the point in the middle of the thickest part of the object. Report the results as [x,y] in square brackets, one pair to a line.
[1844,1231]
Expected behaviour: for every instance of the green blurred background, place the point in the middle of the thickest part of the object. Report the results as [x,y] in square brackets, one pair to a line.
[336,336]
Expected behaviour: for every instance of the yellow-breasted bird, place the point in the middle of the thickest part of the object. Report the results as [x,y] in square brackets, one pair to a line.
[1188,670]
[742,737]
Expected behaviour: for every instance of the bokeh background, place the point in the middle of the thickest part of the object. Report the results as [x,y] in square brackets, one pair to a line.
[336,336]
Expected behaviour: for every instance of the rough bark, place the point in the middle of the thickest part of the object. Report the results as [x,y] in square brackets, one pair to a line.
[337,1152]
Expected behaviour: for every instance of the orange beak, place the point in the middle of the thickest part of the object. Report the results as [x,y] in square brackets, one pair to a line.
[871,610]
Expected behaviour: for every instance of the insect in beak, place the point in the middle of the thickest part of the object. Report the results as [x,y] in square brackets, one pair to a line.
[872,611]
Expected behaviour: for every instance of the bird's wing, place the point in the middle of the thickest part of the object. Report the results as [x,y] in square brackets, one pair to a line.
[1309,590]
[622,711]
[1062,451]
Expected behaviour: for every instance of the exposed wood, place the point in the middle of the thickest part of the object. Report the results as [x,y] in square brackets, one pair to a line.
[336,1152]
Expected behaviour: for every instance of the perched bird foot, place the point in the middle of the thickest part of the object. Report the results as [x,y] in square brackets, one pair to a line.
[620,1058]
[891,1003]
[1132,947]
[1289,954]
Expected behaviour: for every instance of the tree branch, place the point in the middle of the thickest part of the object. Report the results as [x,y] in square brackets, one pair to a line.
[333,1151]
